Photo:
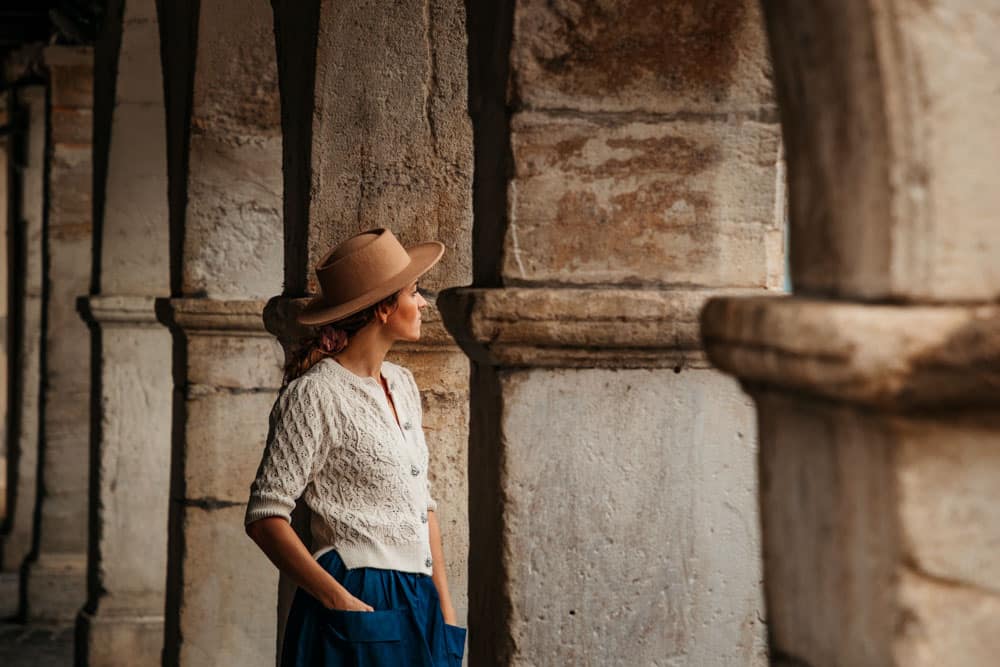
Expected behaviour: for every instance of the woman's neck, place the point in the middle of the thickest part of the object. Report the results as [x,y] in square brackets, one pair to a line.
[365,353]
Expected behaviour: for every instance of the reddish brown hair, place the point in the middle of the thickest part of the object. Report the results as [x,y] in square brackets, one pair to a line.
[330,339]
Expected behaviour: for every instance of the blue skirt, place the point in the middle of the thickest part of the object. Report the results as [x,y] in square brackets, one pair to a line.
[406,628]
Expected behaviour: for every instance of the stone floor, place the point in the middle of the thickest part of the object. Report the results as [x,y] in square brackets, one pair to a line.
[36,645]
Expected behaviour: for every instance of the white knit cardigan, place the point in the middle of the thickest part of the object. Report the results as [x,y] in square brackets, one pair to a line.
[334,441]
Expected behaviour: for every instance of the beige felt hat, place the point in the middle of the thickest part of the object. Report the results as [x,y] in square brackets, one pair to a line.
[362,271]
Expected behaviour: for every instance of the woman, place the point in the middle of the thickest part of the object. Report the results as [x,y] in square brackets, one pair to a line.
[346,436]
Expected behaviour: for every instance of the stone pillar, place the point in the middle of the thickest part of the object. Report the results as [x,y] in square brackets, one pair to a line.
[222,604]
[876,386]
[27,158]
[27,151]
[628,164]
[57,576]
[4,304]
[130,483]
[390,146]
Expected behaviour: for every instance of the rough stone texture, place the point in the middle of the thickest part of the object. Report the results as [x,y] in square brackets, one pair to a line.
[230,589]
[862,568]
[226,607]
[232,233]
[891,138]
[392,146]
[56,581]
[641,55]
[888,356]
[618,513]
[124,613]
[681,203]
[19,527]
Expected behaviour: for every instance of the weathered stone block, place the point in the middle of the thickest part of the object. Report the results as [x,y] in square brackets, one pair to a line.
[71,125]
[233,237]
[630,531]
[947,477]
[229,593]
[233,231]
[641,55]
[72,85]
[235,361]
[225,435]
[392,145]
[879,534]
[676,203]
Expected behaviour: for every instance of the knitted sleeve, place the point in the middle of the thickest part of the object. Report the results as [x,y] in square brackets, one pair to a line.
[300,431]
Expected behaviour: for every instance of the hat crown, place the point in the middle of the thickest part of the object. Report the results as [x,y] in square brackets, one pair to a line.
[360,264]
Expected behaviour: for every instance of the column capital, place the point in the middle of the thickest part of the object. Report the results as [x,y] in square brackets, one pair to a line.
[213,316]
[578,327]
[119,310]
[892,357]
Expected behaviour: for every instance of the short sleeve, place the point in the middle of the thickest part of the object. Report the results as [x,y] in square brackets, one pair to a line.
[299,433]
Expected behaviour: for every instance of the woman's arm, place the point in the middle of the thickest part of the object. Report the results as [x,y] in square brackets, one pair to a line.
[439,575]
[279,541]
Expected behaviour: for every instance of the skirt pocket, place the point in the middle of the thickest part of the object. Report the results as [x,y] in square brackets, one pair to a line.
[454,638]
[366,639]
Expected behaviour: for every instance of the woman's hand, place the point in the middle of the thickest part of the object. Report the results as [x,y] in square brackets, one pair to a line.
[282,545]
[450,617]
[344,601]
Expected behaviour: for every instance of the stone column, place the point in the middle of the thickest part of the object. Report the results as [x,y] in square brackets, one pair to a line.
[390,146]
[5,278]
[57,576]
[628,164]
[222,605]
[27,155]
[130,482]
[877,386]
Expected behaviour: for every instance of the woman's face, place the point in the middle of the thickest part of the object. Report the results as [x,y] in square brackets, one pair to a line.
[404,322]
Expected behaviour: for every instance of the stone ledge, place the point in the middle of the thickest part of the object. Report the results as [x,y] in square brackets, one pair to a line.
[121,311]
[578,327]
[892,357]
[213,316]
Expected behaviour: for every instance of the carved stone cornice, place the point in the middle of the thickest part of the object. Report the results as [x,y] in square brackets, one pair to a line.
[119,311]
[213,316]
[890,357]
[578,327]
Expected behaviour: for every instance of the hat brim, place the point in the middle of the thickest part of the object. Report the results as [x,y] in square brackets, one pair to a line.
[422,257]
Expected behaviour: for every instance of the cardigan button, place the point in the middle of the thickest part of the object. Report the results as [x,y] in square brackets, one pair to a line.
[407,425]
[414,470]
[428,562]
[423,517]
